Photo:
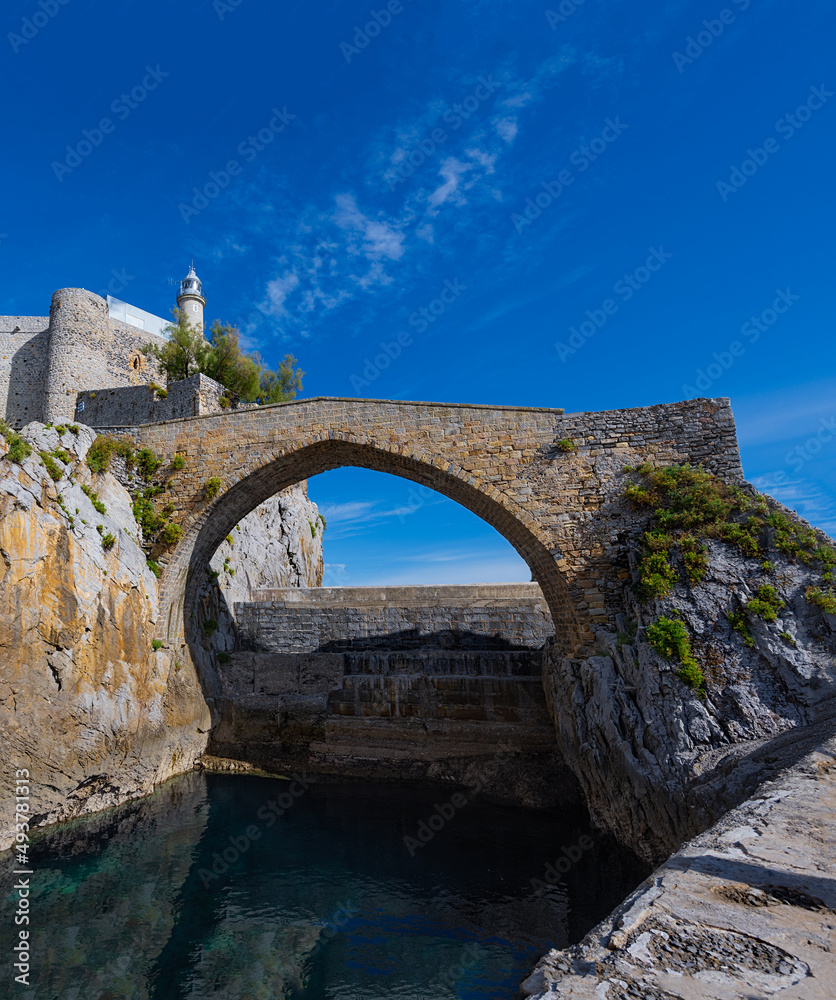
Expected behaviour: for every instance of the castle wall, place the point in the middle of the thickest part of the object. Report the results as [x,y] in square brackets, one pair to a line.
[513,615]
[23,365]
[136,405]
[88,350]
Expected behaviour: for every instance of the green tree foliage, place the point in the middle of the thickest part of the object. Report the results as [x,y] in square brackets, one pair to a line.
[184,354]
[221,357]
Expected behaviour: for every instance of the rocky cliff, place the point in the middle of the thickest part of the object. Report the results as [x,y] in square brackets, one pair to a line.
[87,705]
[726,642]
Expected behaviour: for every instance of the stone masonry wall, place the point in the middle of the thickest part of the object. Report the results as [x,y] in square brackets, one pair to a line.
[140,404]
[88,350]
[395,618]
[561,505]
[24,349]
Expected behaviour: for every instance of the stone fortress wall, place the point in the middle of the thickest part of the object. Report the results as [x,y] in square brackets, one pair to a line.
[141,404]
[46,361]
[24,348]
[293,620]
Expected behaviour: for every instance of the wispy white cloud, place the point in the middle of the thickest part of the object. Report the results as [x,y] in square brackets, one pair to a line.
[358,516]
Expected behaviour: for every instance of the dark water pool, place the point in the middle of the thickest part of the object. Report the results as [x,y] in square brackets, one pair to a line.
[197,892]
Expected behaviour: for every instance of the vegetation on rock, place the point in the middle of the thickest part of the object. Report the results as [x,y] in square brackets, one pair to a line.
[690,504]
[669,637]
[93,497]
[18,447]
[824,599]
[102,450]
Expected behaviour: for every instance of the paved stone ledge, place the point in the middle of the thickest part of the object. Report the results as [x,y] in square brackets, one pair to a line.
[402,596]
[745,911]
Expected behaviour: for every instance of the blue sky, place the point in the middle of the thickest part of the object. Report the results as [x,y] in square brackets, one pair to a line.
[379,160]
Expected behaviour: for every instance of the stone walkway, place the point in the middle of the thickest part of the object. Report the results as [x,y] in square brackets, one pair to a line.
[745,911]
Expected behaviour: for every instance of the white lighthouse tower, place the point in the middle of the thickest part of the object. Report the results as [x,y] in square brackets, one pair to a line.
[190,300]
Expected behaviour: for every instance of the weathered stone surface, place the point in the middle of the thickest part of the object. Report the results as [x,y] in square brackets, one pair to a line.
[658,764]
[87,706]
[747,909]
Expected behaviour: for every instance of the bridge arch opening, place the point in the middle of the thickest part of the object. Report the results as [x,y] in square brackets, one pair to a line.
[205,529]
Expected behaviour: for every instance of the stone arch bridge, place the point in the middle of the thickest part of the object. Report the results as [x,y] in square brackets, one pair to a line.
[550,482]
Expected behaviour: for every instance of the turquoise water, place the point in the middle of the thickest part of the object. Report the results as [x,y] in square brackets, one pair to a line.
[204,891]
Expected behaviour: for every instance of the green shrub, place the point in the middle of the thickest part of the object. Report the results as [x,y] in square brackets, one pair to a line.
[695,558]
[824,599]
[154,567]
[74,429]
[172,533]
[93,497]
[765,604]
[230,539]
[788,639]
[148,463]
[178,462]
[146,517]
[210,626]
[156,644]
[312,526]
[55,473]
[62,456]
[224,402]
[212,487]
[102,450]
[740,623]
[213,574]
[108,541]
[61,429]
[223,657]
[565,445]
[18,448]
[657,575]
[670,638]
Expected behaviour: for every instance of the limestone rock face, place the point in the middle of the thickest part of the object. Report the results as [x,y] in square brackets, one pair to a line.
[656,762]
[278,545]
[87,706]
